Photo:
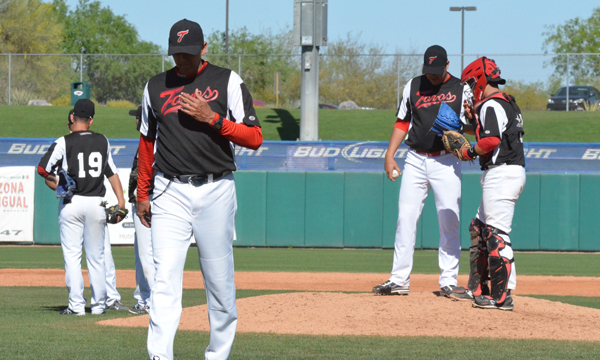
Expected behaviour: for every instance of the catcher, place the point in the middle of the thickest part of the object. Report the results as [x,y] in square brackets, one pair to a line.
[499,132]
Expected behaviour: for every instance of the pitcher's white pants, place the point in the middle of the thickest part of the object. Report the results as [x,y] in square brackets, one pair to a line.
[144,261]
[112,294]
[421,173]
[502,185]
[207,212]
[82,223]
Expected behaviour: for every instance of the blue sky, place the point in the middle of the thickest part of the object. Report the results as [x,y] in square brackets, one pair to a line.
[497,27]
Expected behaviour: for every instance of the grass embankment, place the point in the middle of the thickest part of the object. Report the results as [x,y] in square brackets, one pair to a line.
[281,124]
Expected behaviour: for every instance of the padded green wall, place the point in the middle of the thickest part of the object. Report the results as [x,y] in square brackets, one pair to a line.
[45,214]
[352,209]
[559,211]
[324,209]
[356,209]
[251,217]
[363,210]
[589,208]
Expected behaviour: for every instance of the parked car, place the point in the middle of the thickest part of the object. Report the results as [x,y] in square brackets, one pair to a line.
[328,106]
[577,96]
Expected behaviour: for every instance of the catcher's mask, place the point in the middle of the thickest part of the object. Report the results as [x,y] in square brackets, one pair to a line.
[478,74]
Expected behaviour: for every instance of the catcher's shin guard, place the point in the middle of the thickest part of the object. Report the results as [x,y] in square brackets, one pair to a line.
[500,258]
[478,272]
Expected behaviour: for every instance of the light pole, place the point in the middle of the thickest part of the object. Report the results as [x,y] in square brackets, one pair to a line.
[462,35]
[227,27]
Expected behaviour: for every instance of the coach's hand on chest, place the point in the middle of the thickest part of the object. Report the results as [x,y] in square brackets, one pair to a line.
[195,106]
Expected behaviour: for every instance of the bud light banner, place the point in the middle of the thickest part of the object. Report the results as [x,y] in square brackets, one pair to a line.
[327,155]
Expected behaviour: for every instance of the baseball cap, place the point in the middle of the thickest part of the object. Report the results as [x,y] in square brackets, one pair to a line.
[84,108]
[137,112]
[186,37]
[434,61]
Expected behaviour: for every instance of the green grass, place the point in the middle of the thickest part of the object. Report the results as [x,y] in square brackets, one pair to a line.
[30,327]
[317,260]
[591,302]
[281,124]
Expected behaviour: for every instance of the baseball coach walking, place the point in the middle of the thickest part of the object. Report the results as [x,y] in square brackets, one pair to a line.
[192,118]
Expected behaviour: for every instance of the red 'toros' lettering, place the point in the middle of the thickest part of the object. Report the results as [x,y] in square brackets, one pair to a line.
[427,101]
[172,103]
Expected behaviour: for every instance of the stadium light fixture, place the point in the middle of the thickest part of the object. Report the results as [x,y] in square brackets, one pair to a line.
[462,36]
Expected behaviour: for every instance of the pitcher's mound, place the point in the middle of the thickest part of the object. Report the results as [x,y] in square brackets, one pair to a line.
[418,314]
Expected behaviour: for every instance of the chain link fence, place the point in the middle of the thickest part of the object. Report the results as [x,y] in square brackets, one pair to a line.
[371,81]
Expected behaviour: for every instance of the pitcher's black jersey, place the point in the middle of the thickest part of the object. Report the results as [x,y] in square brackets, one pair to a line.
[501,117]
[85,156]
[183,145]
[420,105]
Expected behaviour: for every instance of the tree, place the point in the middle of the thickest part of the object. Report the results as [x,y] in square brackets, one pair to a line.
[104,38]
[31,27]
[352,70]
[263,60]
[529,96]
[576,36]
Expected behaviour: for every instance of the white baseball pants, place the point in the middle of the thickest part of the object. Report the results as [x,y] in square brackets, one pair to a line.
[144,261]
[502,185]
[207,212]
[112,294]
[421,173]
[82,223]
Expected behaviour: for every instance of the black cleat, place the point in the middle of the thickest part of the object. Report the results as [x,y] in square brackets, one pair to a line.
[390,288]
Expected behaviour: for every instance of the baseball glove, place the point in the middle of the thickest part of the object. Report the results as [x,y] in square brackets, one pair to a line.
[456,143]
[65,186]
[446,120]
[113,213]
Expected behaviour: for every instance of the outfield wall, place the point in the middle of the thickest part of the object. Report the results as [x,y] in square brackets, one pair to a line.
[335,194]
[360,209]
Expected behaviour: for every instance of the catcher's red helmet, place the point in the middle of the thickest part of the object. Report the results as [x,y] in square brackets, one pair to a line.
[479,73]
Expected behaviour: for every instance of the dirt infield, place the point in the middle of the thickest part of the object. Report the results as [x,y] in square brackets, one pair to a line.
[422,313]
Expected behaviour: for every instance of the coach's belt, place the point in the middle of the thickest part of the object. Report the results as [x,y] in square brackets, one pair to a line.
[432,154]
[494,165]
[197,180]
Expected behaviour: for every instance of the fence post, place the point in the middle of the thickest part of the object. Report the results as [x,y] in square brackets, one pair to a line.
[239,64]
[162,69]
[81,67]
[567,101]
[397,81]
[9,75]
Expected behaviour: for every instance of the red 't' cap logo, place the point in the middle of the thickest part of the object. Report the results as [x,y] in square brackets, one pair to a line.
[181,34]
[431,59]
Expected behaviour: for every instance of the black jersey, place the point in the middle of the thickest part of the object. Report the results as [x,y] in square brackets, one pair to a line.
[183,145]
[420,105]
[500,116]
[86,158]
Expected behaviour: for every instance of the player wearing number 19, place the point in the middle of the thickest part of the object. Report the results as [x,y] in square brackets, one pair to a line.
[86,159]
